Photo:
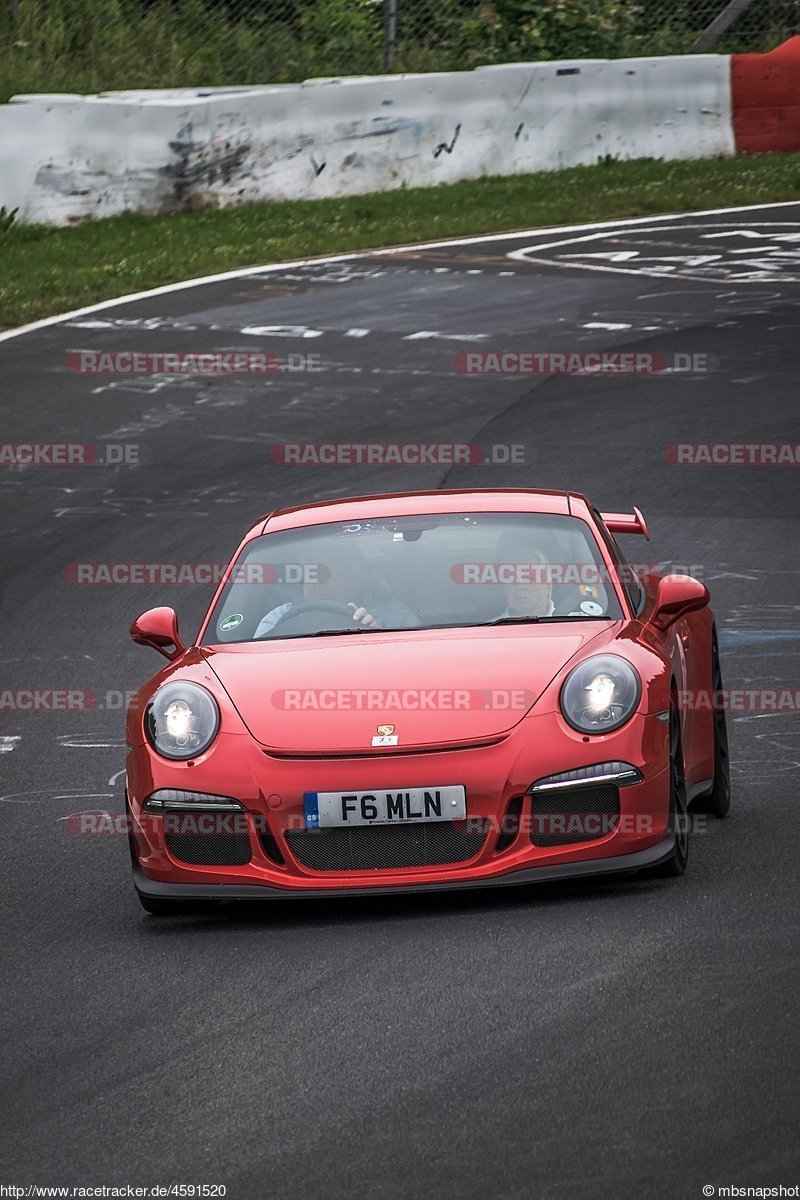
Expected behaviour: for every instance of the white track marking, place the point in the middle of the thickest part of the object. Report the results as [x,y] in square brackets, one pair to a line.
[82,796]
[660,265]
[427,334]
[753,233]
[18,797]
[89,741]
[612,325]
[295,331]
[7,744]
[244,272]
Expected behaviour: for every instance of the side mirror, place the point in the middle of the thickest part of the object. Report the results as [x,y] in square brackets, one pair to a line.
[677,595]
[158,627]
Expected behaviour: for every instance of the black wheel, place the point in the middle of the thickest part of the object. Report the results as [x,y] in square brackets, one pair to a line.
[678,808]
[718,800]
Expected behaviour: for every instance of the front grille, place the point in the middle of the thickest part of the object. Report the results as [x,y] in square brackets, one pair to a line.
[388,847]
[574,814]
[210,849]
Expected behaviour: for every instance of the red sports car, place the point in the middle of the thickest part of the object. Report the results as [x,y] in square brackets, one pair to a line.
[425,691]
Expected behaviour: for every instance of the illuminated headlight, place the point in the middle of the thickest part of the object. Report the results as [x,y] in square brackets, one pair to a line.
[181,720]
[600,694]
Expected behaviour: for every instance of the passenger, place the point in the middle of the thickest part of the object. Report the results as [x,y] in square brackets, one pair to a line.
[530,594]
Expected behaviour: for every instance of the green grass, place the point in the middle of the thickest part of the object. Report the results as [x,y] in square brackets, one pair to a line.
[45,270]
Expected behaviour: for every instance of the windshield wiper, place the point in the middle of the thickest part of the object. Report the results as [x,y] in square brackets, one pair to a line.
[542,620]
[320,633]
[513,621]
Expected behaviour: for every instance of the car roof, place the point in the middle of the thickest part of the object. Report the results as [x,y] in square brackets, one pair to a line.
[392,504]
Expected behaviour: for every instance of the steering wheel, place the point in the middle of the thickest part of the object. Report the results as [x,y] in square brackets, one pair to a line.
[316,606]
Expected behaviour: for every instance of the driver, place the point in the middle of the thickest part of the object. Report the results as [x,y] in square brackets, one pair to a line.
[346,585]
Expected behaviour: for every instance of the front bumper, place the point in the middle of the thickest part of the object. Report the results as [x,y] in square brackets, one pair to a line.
[271,788]
[622,863]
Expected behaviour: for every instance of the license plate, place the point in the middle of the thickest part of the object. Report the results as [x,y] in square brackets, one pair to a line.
[405,806]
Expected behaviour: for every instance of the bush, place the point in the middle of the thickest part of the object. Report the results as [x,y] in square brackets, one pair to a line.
[543,29]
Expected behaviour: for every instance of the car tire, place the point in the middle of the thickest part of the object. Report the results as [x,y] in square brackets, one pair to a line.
[678,807]
[717,802]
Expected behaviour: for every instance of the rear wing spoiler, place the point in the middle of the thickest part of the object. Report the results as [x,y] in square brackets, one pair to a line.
[626,523]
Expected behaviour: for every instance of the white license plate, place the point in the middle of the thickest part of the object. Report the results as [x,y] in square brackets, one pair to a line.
[404,806]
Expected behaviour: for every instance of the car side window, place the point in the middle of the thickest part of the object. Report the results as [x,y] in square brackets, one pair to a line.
[628,577]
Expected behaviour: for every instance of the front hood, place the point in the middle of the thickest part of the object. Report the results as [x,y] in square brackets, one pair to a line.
[437,688]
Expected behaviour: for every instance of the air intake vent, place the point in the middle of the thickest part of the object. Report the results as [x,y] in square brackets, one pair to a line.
[388,847]
[511,824]
[583,813]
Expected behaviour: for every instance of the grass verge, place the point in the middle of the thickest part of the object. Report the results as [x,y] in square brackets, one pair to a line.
[45,270]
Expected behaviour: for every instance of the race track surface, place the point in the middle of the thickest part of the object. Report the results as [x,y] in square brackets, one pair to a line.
[633,1038]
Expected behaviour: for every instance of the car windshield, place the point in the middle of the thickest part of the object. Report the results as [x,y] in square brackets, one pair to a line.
[414,572]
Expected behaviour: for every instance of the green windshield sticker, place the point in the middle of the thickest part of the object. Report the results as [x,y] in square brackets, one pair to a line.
[231,622]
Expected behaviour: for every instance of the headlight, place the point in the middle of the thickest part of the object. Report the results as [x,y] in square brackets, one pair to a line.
[600,694]
[181,720]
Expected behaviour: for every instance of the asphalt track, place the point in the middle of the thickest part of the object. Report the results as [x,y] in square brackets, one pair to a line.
[618,1039]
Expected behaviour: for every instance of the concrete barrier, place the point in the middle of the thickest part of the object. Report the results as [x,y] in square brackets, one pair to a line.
[64,159]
